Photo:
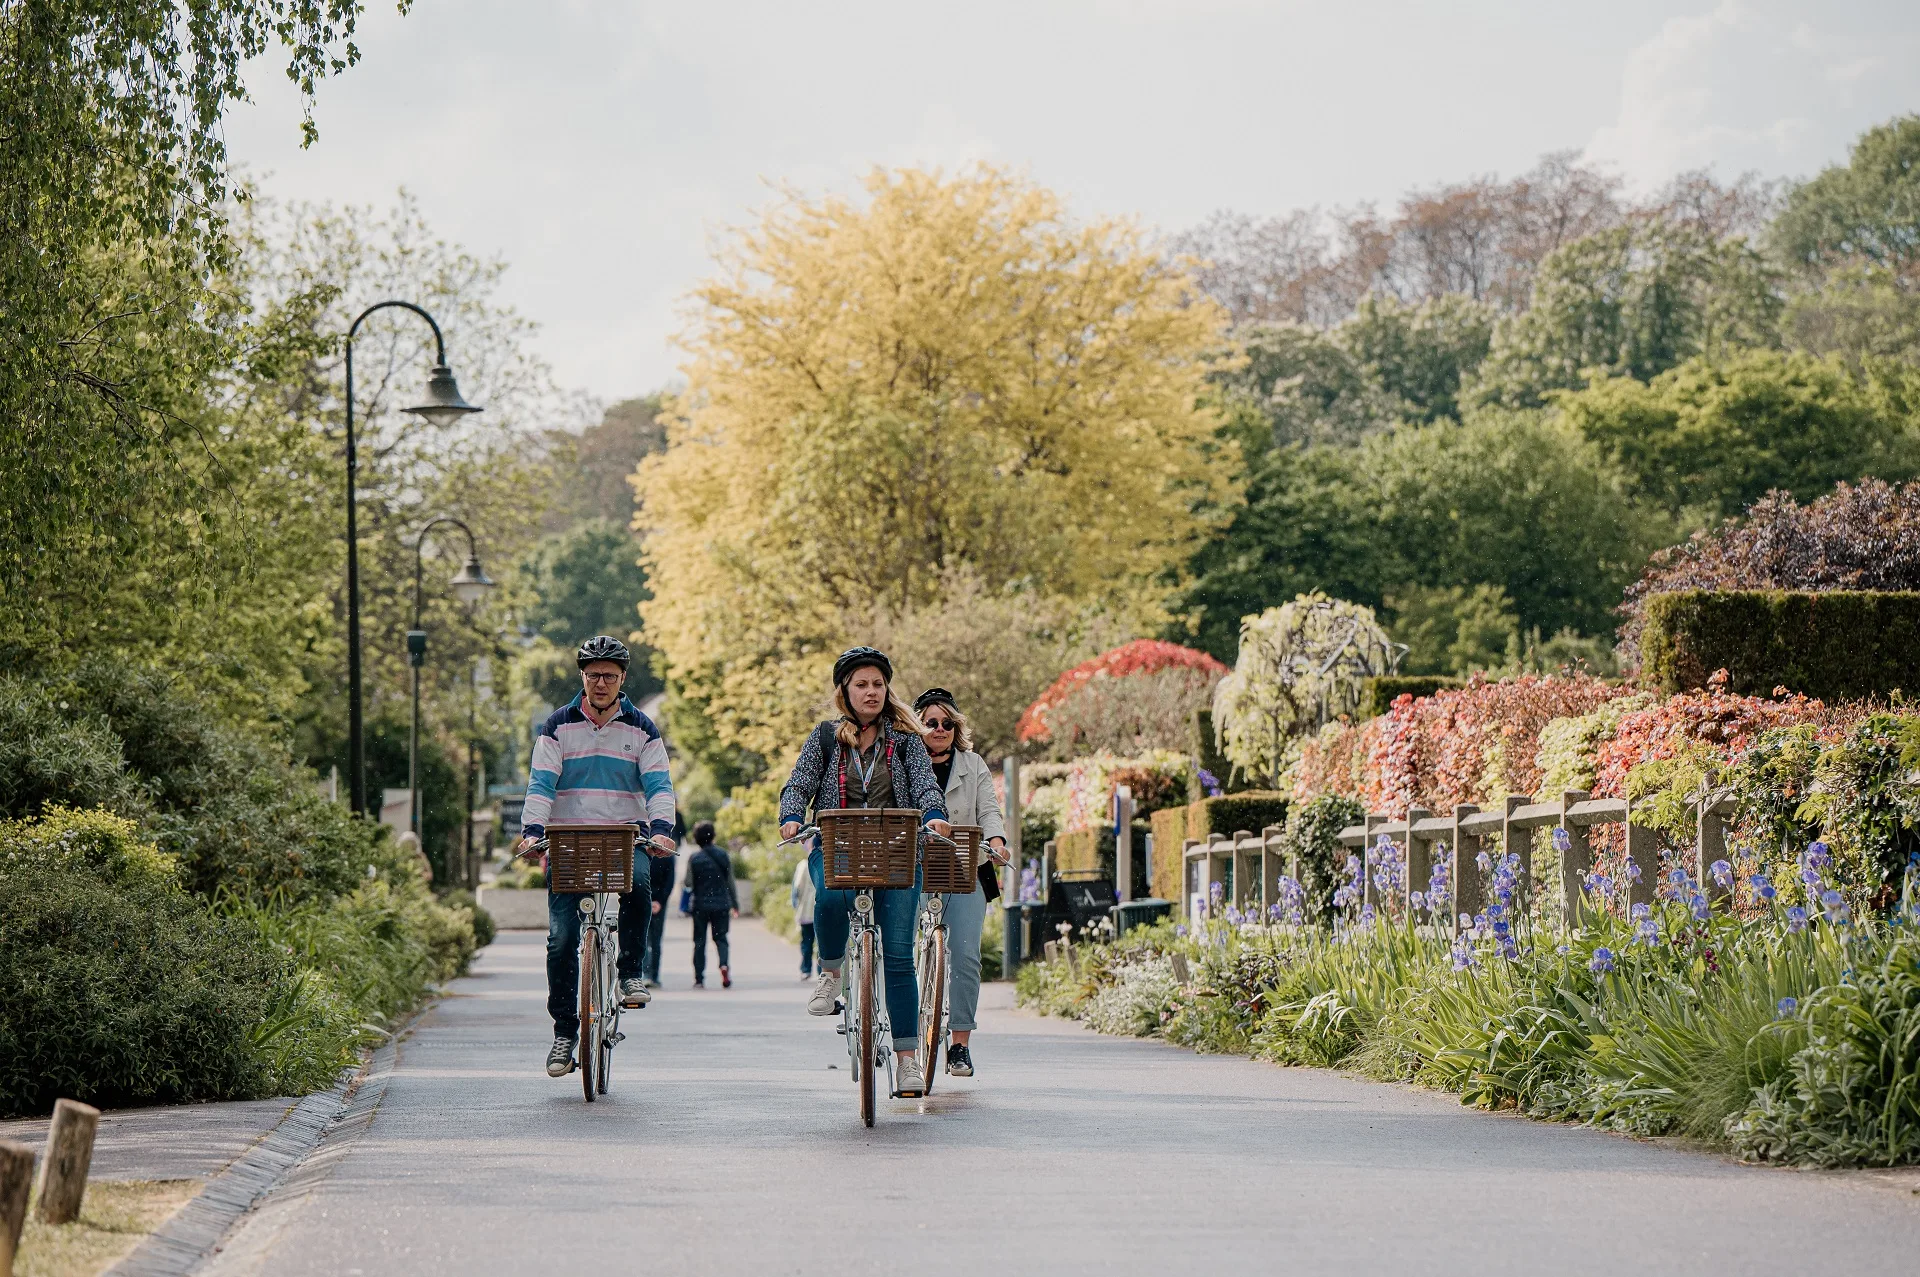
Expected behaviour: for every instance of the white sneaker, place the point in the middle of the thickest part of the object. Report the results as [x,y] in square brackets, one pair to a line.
[906,1073]
[826,992]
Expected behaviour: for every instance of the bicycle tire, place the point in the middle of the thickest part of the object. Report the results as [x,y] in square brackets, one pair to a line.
[933,1005]
[867,1073]
[589,1045]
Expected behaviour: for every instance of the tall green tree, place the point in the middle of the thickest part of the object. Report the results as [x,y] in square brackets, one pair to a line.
[113,246]
[1632,301]
[1711,437]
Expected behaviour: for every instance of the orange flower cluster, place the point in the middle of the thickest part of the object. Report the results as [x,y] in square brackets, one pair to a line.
[1473,744]
[1142,656]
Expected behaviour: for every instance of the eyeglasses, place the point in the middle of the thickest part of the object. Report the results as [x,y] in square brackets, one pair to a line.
[603,678]
[938,724]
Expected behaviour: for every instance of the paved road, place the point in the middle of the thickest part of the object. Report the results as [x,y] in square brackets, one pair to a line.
[732,1144]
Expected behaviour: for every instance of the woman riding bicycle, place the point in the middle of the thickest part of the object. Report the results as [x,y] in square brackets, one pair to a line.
[872,756]
[970,800]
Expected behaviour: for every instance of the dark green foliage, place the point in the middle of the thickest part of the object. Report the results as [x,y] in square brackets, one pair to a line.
[1312,842]
[128,993]
[1250,811]
[1851,1095]
[1377,695]
[50,753]
[1839,645]
[1206,752]
[588,581]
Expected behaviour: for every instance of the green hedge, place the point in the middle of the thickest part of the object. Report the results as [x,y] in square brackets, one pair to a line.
[1836,645]
[1377,695]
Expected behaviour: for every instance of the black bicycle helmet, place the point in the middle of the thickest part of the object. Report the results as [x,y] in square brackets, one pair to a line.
[605,647]
[934,696]
[855,658]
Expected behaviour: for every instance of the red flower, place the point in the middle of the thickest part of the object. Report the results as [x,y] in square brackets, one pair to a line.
[1142,656]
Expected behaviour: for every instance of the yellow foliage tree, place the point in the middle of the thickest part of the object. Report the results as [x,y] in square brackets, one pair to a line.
[947,373]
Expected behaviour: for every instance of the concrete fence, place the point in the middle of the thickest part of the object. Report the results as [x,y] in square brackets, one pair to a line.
[1249,866]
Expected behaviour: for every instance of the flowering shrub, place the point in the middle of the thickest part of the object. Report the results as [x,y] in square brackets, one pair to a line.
[1114,695]
[1159,776]
[1856,538]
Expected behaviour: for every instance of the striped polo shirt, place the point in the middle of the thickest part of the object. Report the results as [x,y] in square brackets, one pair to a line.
[583,774]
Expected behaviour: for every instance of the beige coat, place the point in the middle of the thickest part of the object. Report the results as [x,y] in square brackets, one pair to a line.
[971,799]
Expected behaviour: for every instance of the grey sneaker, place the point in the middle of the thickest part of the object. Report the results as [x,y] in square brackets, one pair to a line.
[959,1060]
[826,992]
[560,1058]
[906,1074]
[633,993]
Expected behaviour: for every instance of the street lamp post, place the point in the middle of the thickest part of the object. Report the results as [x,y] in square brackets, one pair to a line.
[470,585]
[444,406]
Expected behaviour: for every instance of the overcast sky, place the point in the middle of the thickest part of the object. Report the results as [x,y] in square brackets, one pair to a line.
[600,145]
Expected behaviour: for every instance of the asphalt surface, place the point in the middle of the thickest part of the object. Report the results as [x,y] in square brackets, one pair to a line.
[731,1144]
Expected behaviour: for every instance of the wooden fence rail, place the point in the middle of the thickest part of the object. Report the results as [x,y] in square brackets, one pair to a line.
[1249,866]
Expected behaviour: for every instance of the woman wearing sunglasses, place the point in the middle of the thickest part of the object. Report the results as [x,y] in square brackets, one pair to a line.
[971,800]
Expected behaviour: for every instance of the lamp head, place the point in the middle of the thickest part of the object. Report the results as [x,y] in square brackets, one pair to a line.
[444,406]
[471,582]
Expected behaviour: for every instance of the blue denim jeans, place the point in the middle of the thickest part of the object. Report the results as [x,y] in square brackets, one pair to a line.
[563,951]
[895,910]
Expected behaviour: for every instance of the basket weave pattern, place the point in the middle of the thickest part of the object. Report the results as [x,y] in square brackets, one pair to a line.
[953,870]
[869,846]
[582,859]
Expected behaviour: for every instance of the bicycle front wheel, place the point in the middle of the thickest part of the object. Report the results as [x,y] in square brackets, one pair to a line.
[865,990]
[933,1004]
[590,1035]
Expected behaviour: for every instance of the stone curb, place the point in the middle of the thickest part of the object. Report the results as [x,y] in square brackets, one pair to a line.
[195,1232]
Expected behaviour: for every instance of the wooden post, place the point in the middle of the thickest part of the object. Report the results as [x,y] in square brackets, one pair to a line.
[1123,841]
[1519,841]
[1576,862]
[1643,850]
[1010,889]
[1469,888]
[16,1178]
[1368,893]
[1709,845]
[63,1174]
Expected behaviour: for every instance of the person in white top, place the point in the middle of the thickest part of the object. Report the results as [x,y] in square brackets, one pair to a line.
[967,784]
[801,898]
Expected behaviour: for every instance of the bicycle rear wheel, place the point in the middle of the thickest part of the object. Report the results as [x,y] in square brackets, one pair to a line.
[589,1044]
[865,993]
[933,1004]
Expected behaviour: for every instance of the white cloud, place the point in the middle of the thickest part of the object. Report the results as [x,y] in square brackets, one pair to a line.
[1755,84]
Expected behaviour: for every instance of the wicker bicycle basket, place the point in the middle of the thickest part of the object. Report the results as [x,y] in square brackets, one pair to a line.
[952,870]
[869,846]
[589,858]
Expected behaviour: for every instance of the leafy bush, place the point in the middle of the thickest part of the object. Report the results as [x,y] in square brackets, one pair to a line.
[1848,1097]
[127,991]
[1864,537]
[1312,842]
[1837,645]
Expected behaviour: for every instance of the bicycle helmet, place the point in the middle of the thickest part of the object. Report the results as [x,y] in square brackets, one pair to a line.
[604,647]
[934,696]
[855,658]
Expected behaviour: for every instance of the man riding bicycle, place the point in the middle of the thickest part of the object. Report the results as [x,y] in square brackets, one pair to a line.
[597,760]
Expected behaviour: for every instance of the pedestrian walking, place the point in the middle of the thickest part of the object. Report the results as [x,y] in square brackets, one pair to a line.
[802,900]
[663,870]
[710,880]
[967,784]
